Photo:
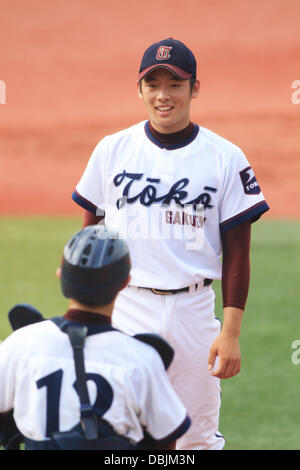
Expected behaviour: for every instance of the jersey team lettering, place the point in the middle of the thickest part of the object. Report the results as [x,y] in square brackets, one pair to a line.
[148,195]
[183,218]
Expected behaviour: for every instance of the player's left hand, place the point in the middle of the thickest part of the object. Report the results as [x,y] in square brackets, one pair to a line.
[227,349]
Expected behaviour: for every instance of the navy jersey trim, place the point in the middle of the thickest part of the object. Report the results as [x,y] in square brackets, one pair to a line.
[171,147]
[92,329]
[178,432]
[86,318]
[82,202]
[253,213]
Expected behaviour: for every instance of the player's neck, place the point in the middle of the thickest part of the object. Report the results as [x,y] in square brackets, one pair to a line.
[174,138]
[105,310]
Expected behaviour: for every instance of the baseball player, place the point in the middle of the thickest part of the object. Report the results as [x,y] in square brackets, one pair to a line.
[128,396]
[184,198]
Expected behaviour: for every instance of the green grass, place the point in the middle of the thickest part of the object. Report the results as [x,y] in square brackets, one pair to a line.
[31,250]
[260,407]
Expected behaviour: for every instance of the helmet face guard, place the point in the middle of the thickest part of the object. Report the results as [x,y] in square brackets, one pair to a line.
[96,265]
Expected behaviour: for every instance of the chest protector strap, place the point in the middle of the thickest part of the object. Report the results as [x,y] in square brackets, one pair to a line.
[88,417]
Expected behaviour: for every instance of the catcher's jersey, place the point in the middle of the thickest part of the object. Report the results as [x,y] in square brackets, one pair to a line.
[126,379]
[170,203]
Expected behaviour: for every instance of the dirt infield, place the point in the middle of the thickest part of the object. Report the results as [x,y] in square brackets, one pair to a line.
[70,72]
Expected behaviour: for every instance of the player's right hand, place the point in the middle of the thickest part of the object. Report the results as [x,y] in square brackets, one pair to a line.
[227,349]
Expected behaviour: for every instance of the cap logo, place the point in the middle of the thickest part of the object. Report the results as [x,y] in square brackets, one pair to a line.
[163,53]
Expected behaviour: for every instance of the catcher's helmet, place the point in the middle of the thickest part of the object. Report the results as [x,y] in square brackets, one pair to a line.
[95,266]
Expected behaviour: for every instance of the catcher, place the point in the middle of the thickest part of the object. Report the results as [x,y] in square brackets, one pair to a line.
[75,382]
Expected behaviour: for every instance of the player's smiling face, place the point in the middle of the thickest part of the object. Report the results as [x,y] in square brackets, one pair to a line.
[167,100]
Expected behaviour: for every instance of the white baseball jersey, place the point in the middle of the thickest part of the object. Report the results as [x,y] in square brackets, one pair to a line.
[170,203]
[127,384]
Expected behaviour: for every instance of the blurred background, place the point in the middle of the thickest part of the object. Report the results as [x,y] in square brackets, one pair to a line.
[68,71]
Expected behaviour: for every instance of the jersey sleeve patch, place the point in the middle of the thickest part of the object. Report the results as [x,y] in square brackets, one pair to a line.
[84,203]
[253,213]
[249,181]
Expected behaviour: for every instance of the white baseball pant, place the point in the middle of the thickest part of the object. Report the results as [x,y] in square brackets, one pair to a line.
[187,321]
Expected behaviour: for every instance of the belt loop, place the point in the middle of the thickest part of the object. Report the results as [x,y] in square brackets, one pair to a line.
[193,288]
[199,287]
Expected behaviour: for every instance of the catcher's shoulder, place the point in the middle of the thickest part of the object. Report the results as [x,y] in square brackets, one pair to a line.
[23,340]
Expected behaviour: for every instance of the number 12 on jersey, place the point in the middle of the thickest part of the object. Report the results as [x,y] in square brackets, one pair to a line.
[53,384]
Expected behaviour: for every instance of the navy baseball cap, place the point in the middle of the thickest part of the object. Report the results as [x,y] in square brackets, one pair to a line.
[169,54]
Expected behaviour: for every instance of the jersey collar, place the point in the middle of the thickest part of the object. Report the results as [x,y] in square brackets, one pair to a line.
[176,140]
[95,322]
[87,318]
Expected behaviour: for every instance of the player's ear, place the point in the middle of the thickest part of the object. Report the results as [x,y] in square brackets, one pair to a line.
[196,89]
